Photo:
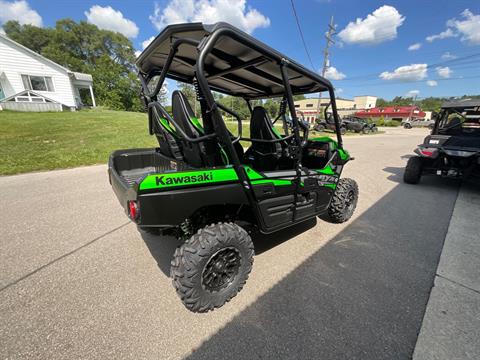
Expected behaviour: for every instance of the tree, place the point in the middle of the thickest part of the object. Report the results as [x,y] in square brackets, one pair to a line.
[108,56]
[36,38]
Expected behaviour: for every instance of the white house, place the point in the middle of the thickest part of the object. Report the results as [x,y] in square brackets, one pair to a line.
[31,82]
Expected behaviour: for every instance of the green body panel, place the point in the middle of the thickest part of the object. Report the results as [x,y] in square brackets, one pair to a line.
[344,155]
[275,182]
[187,178]
[327,170]
[211,176]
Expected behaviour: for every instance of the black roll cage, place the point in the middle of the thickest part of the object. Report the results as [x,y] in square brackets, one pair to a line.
[204,48]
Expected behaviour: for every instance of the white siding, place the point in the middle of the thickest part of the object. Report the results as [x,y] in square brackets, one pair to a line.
[15,61]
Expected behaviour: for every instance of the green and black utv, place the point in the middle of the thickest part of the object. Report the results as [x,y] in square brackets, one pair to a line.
[200,183]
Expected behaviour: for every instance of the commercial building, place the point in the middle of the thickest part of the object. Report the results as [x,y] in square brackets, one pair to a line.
[399,113]
[311,108]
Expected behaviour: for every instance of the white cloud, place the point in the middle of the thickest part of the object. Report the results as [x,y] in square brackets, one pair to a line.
[377,27]
[448,56]
[333,74]
[414,47]
[234,12]
[413,72]
[339,90]
[432,83]
[19,11]
[443,72]
[443,35]
[412,93]
[137,53]
[147,42]
[469,27]
[108,18]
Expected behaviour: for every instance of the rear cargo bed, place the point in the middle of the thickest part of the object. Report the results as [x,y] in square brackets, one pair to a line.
[133,164]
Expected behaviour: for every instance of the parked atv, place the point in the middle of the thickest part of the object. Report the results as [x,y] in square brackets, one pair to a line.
[453,148]
[200,184]
[329,124]
[356,124]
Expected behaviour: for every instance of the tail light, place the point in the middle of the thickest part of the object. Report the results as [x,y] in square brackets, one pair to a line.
[427,152]
[133,210]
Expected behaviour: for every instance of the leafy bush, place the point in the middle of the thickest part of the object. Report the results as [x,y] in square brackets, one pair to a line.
[392,123]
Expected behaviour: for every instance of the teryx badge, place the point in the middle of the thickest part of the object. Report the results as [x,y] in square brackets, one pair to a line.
[326,179]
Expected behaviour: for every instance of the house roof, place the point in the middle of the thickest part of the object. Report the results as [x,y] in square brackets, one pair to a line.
[392,110]
[461,103]
[87,77]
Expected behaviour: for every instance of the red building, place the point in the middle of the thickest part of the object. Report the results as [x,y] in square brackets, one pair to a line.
[393,112]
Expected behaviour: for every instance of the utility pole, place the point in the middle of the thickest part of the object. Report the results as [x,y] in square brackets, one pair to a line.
[414,98]
[326,61]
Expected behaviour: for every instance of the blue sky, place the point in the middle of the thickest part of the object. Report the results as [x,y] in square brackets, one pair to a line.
[371,54]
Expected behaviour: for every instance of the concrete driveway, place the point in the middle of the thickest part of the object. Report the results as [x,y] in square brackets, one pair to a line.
[78,281]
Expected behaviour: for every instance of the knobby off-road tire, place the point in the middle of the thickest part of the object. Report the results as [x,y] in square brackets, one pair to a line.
[365,130]
[212,266]
[413,170]
[344,201]
[319,128]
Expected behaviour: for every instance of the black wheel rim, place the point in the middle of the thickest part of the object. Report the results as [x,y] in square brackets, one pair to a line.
[350,201]
[221,269]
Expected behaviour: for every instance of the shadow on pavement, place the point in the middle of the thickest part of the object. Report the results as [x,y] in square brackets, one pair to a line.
[396,175]
[361,296]
[162,247]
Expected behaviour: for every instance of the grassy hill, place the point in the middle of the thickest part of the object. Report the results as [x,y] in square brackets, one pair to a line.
[44,141]
[56,140]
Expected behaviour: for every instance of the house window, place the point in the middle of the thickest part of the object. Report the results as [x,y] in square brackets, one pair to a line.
[2,94]
[38,83]
[309,105]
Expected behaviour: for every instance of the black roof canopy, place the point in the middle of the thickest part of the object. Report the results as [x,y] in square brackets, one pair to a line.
[461,103]
[237,65]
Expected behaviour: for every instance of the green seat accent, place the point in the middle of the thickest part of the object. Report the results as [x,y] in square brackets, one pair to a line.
[196,123]
[167,126]
[275,131]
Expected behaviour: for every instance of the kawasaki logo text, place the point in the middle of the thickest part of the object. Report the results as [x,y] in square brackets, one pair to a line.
[187,179]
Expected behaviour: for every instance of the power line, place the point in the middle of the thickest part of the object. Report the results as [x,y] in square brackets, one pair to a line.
[453,63]
[301,35]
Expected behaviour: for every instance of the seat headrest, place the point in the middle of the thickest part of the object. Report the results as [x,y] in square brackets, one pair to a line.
[180,101]
[259,112]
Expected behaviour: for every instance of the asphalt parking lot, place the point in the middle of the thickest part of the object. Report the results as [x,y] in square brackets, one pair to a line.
[78,281]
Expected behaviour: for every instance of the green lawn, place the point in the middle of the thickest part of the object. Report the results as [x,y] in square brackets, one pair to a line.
[45,141]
